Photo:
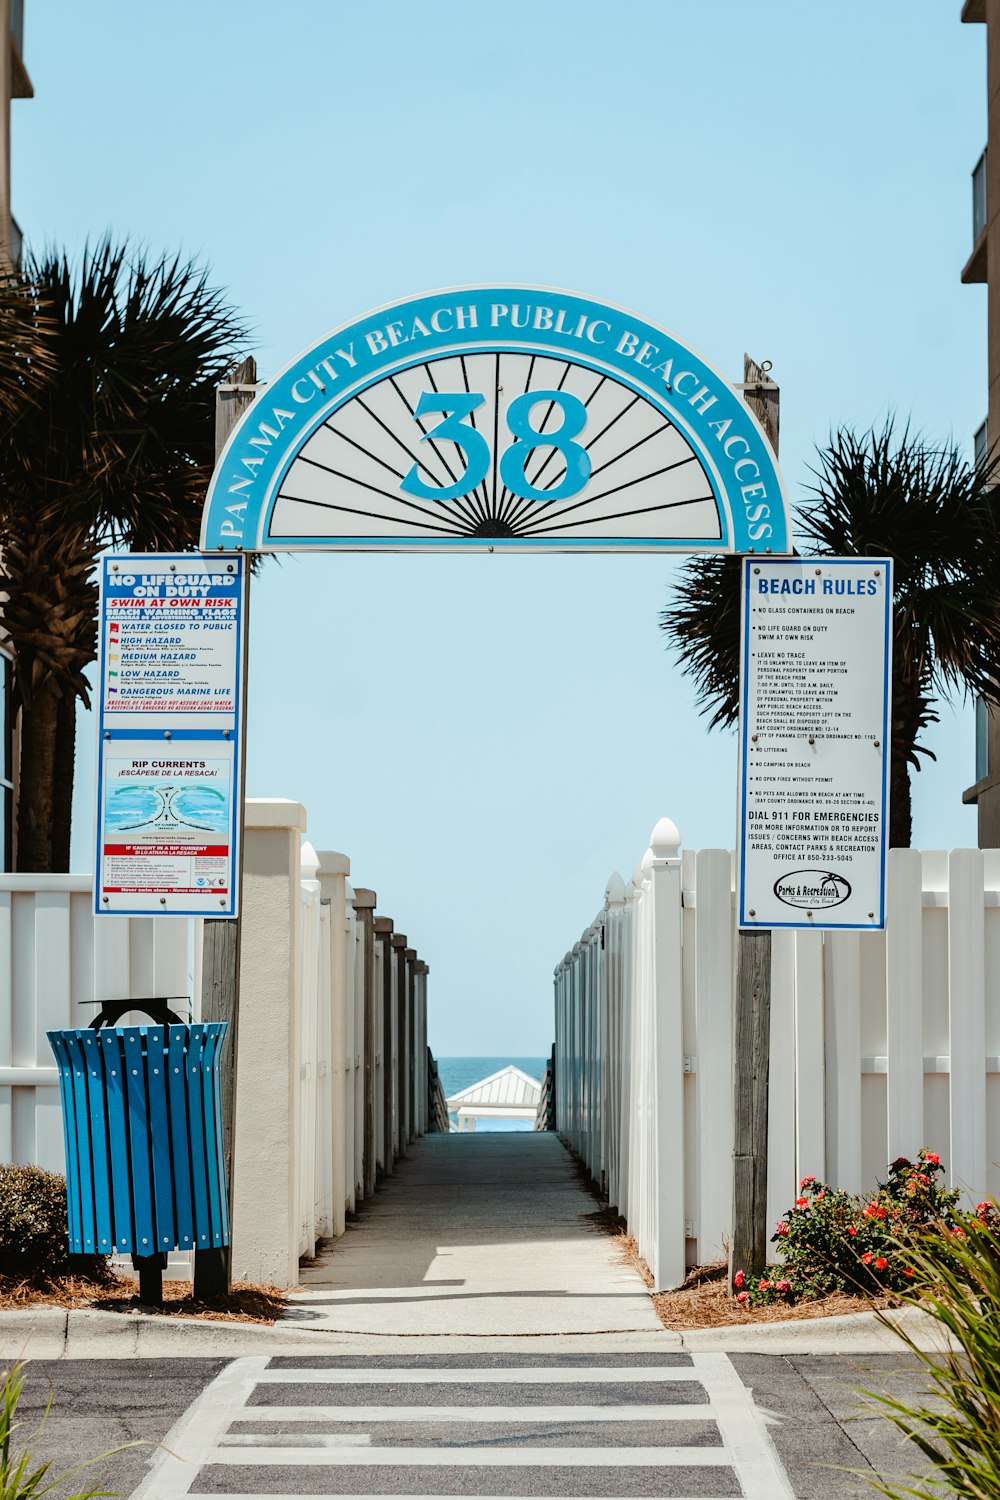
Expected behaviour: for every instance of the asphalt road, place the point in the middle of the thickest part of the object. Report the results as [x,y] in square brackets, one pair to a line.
[612,1425]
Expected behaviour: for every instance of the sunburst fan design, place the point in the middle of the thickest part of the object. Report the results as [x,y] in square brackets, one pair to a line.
[645,481]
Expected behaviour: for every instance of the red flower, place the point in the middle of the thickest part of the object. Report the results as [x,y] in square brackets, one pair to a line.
[867,1258]
[908,1272]
[806,1181]
[870,1210]
[742,1297]
[880,1213]
[763,1285]
[820,1197]
[933,1157]
[851,1230]
[783,1286]
[739,1279]
[802,1203]
[782,1227]
[984,1209]
[959,1233]
[881,1263]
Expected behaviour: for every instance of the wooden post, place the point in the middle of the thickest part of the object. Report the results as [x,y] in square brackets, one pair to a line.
[383,934]
[411,1028]
[752,1020]
[364,905]
[398,1035]
[220,961]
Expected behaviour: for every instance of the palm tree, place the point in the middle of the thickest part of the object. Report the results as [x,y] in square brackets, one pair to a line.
[114,449]
[938,518]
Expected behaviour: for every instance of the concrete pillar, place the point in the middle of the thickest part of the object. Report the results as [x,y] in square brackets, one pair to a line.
[332,876]
[364,906]
[265,1209]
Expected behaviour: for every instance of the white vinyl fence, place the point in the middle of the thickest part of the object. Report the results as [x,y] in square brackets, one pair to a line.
[55,960]
[880,1043]
[333,1082]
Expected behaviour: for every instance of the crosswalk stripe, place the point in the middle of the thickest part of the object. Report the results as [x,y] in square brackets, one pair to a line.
[474,1458]
[600,1375]
[681,1413]
[203,1436]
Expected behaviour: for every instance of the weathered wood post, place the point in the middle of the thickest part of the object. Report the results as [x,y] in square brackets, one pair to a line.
[411,1051]
[398,1028]
[220,950]
[423,1063]
[364,905]
[752,1019]
[332,875]
[383,936]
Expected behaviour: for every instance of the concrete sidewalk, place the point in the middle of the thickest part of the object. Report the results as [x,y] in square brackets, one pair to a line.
[477,1244]
[478,1236]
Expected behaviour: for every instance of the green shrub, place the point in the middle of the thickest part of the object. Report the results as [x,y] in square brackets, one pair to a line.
[832,1241]
[956,1282]
[33,1228]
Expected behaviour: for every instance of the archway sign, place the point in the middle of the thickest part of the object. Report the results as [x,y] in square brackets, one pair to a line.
[498,419]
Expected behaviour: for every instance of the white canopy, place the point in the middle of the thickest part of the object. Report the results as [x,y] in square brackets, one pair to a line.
[508,1094]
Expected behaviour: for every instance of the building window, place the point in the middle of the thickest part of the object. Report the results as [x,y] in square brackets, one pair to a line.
[979,444]
[982,739]
[979,198]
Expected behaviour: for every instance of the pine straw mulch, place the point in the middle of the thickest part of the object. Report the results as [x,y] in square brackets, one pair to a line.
[119,1293]
[704,1301]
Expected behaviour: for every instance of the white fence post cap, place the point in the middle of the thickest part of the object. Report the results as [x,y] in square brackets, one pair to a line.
[665,841]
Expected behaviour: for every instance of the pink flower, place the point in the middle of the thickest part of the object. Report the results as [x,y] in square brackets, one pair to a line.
[763,1285]
[802,1203]
[820,1196]
[984,1209]
[782,1227]
[739,1279]
[933,1157]
[881,1263]
[783,1286]
[742,1297]
[867,1258]
[958,1233]
[806,1181]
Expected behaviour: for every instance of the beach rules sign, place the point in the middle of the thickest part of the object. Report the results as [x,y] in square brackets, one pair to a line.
[814,742]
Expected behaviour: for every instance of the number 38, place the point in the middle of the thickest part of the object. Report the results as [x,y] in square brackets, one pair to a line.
[453,429]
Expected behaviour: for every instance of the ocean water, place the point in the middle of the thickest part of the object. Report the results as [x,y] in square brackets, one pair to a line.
[459,1072]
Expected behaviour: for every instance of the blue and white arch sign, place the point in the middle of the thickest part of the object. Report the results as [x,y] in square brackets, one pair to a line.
[498,418]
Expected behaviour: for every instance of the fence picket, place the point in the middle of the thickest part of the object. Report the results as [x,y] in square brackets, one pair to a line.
[904,986]
[967,1013]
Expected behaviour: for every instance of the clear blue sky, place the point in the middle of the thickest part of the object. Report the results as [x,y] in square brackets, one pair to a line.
[487,738]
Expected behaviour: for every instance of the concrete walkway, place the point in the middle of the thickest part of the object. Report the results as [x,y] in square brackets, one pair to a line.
[476,1235]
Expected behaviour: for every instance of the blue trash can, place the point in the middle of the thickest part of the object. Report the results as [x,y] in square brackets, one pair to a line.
[145,1171]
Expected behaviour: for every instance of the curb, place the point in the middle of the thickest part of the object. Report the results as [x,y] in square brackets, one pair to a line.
[55,1333]
[846,1333]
